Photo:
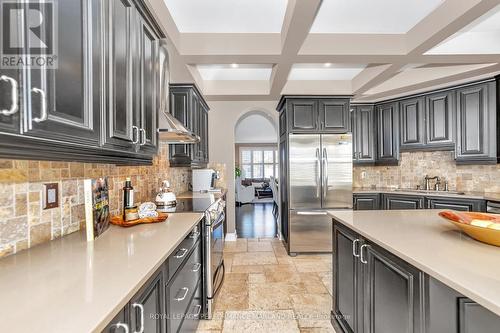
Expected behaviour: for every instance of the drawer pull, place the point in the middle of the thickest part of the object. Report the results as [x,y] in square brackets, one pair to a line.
[141,308]
[120,325]
[178,255]
[196,267]
[186,290]
[198,311]
[194,235]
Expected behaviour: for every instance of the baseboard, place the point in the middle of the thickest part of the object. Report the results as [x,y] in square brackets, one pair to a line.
[231,237]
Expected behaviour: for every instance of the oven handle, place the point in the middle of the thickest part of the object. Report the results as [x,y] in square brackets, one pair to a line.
[216,275]
[220,221]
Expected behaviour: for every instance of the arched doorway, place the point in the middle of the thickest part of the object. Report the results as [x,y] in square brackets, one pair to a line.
[256,166]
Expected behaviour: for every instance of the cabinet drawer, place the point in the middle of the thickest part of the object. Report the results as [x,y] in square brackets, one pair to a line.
[193,314]
[182,252]
[181,289]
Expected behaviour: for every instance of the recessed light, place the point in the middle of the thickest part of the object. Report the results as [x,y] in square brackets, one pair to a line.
[328,64]
[234,65]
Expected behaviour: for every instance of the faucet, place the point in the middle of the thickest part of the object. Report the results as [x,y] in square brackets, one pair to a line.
[427,183]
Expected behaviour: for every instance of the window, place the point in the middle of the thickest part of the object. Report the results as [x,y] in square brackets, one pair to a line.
[259,162]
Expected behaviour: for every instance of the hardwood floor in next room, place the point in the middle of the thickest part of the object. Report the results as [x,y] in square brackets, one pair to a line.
[265,290]
[256,221]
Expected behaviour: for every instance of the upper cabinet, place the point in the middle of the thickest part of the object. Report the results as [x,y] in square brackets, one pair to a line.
[189,107]
[100,102]
[363,134]
[476,124]
[387,133]
[412,128]
[314,114]
[440,120]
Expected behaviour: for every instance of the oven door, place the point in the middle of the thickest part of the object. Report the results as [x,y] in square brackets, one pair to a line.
[217,248]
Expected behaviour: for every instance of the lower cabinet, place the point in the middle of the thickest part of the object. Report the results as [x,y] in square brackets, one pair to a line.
[374,291]
[368,201]
[378,292]
[466,205]
[171,300]
[400,201]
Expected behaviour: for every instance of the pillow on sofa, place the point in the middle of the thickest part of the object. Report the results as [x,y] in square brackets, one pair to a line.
[258,185]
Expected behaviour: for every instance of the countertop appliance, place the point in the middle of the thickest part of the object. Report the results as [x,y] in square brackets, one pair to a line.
[204,180]
[213,205]
[320,179]
[165,197]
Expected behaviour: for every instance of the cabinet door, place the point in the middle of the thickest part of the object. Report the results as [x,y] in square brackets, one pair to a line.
[476,118]
[439,120]
[204,122]
[148,88]
[11,107]
[120,131]
[283,184]
[366,202]
[412,123]
[283,123]
[346,284]
[180,109]
[334,115]
[391,201]
[147,306]
[466,205]
[364,135]
[303,115]
[391,293]
[61,100]
[388,134]
[119,324]
[196,111]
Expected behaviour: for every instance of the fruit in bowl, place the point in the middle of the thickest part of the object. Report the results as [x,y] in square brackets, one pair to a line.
[480,226]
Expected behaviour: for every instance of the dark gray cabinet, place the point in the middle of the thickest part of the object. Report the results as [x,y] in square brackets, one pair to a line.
[412,124]
[391,292]
[387,134]
[283,184]
[334,115]
[363,134]
[119,324]
[303,115]
[366,201]
[189,107]
[440,120]
[476,123]
[467,205]
[374,291]
[401,201]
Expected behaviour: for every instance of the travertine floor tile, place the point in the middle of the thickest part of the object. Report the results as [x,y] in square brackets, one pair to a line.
[232,296]
[312,310]
[327,279]
[260,321]
[254,258]
[215,324]
[260,247]
[248,269]
[313,283]
[317,330]
[305,266]
[272,295]
[256,278]
[240,245]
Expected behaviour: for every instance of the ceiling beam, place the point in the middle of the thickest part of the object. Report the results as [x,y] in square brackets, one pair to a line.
[374,77]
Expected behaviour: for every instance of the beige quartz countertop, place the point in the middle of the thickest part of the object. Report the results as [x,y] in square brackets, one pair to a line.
[466,195]
[425,240]
[69,285]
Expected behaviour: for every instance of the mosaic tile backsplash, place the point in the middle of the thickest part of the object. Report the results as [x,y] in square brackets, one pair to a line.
[414,166]
[23,222]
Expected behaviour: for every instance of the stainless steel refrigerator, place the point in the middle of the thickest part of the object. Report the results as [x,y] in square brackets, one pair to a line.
[320,179]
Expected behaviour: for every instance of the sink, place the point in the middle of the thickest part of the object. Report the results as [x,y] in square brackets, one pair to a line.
[429,192]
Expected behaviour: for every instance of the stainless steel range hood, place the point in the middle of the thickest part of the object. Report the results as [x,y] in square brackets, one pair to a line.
[170,129]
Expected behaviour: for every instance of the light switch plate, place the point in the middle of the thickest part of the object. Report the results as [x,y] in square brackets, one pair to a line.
[50,195]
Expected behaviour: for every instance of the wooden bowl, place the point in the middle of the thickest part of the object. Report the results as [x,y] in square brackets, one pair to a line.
[118,220]
[482,234]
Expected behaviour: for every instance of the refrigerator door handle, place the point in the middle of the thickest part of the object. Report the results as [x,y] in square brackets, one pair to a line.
[318,173]
[325,173]
[313,213]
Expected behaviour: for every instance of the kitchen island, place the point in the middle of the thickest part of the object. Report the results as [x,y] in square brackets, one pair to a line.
[411,271]
[70,285]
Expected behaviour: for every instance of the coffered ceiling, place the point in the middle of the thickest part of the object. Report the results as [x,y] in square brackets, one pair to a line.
[372,49]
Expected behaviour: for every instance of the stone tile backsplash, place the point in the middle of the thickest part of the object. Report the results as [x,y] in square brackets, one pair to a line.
[23,222]
[413,167]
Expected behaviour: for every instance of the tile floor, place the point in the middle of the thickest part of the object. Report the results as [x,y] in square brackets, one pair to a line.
[265,290]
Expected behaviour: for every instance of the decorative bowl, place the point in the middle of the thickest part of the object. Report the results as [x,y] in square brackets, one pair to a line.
[476,225]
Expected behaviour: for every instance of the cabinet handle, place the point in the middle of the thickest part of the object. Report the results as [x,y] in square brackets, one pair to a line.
[196,267]
[354,247]
[43,111]
[194,235]
[183,250]
[14,106]
[179,299]
[198,311]
[362,257]
[143,136]
[135,135]
[141,308]
[120,325]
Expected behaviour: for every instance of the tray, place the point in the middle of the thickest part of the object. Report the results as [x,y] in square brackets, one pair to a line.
[118,220]
[483,234]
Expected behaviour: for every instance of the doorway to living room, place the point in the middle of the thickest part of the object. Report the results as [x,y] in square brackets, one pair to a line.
[256,172]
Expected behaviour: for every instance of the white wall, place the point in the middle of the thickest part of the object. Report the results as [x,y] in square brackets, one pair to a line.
[256,128]
[222,119]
